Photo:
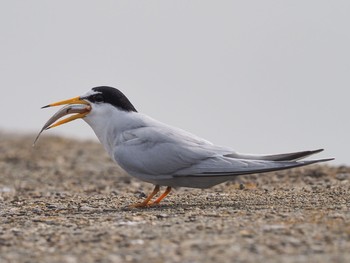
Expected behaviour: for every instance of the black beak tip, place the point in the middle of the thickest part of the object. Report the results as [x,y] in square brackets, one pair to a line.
[45,106]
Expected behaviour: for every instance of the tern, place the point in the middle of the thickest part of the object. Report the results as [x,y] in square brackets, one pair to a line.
[160,154]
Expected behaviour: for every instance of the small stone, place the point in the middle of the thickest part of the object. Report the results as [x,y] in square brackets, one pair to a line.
[137,242]
[342,176]
[162,216]
[141,195]
[246,233]
[51,206]
[6,189]
[37,210]
[86,208]
[272,228]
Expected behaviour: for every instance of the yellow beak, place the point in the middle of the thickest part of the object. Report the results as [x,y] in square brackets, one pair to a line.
[73,105]
[81,111]
[75,100]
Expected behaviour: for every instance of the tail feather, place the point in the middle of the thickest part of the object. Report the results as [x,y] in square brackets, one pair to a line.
[275,157]
[273,166]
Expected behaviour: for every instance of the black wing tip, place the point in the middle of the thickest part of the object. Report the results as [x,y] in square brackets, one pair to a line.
[317,151]
[326,159]
[305,154]
[317,161]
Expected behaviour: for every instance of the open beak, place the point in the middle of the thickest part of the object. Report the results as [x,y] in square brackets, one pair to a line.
[74,105]
[74,102]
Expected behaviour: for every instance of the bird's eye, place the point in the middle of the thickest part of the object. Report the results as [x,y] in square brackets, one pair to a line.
[97,98]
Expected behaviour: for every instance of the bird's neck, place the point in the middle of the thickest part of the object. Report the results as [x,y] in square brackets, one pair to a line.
[110,124]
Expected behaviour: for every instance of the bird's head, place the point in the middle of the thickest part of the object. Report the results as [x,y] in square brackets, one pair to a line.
[96,98]
[99,101]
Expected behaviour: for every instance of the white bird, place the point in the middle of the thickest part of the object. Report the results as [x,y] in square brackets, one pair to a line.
[161,154]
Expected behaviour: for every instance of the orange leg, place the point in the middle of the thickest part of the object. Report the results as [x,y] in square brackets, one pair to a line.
[160,198]
[146,201]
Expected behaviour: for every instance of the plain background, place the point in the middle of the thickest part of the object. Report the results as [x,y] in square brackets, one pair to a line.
[257,76]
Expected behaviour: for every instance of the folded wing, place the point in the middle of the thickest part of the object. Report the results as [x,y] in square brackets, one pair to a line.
[168,156]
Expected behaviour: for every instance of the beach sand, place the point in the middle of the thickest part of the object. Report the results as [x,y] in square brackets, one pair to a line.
[66,201]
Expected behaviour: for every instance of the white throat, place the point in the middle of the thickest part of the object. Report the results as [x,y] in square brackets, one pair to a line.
[109,122]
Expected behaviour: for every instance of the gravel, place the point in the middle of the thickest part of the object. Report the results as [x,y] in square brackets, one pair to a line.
[66,201]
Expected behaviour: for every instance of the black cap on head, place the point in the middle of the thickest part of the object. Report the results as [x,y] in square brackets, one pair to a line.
[112,96]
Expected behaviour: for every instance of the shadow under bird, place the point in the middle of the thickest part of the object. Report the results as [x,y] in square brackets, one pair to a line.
[161,154]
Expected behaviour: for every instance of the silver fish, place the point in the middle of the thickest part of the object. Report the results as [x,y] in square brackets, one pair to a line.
[81,109]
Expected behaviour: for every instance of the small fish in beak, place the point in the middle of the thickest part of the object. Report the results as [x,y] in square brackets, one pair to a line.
[82,108]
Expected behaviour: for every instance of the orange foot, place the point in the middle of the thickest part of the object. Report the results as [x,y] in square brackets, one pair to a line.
[148,202]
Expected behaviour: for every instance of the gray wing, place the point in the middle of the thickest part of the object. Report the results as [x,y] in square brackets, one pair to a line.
[170,156]
[162,150]
[218,170]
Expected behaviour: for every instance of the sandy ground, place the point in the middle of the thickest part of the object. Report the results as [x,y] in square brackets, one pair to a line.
[65,201]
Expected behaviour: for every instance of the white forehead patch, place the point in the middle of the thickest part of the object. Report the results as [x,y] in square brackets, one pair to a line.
[89,93]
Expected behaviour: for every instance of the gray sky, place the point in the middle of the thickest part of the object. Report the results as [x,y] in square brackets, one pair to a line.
[258,76]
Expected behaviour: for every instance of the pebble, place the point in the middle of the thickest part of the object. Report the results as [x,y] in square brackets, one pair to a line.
[343,176]
[6,189]
[272,228]
[86,208]
[162,216]
[246,233]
